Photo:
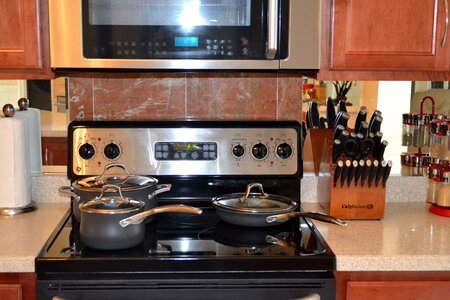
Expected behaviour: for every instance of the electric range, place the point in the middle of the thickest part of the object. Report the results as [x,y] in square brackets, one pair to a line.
[192,256]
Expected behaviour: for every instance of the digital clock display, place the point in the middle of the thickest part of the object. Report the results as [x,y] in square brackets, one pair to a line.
[186,41]
[186,151]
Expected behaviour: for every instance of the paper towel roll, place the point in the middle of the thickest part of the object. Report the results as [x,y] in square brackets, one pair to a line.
[15,182]
[33,132]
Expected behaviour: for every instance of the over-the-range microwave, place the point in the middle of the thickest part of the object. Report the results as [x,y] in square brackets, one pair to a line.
[185,34]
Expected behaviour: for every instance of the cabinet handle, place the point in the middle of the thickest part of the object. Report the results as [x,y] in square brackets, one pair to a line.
[444,38]
[272,40]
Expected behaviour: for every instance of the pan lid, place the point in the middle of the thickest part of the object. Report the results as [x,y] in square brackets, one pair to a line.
[256,202]
[111,205]
[127,181]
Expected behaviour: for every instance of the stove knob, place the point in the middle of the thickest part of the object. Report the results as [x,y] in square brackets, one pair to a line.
[112,151]
[238,151]
[259,151]
[284,150]
[86,151]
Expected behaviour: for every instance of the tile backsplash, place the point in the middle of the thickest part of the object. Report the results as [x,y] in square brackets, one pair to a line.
[171,96]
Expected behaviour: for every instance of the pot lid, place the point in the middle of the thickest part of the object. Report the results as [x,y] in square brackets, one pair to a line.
[111,205]
[249,202]
[127,182]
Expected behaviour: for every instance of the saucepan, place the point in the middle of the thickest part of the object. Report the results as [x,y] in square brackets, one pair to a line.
[143,188]
[258,209]
[115,222]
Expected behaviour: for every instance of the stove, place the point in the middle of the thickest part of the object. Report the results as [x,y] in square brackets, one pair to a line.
[192,256]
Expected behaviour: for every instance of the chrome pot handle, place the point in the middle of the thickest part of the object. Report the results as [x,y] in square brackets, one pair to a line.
[69,191]
[312,215]
[250,186]
[160,188]
[113,165]
[111,187]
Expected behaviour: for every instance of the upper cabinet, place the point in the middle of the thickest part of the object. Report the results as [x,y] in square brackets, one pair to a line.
[24,41]
[385,39]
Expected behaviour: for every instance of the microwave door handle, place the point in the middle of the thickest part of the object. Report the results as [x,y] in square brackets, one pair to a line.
[272,40]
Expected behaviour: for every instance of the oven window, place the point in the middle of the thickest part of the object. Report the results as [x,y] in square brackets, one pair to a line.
[184,13]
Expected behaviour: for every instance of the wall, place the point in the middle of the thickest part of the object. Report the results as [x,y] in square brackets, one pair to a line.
[159,96]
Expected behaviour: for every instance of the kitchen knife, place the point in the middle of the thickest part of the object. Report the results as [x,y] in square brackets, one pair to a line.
[377,140]
[375,114]
[345,171]
[380,172]
[366,146]
[363,128]
[308,119]
[365,172]
[380,150]
[375,125]
[331,113]
[337,172]
[337,150]
[359,170]
[372,172]
[323,122]
[314,114]
[352,172]
[360,117]
[387,171]
[345,135]
[337,131]
[341,106]
[342,119]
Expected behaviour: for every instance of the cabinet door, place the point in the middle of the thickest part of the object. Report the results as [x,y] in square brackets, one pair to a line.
[388,35]
[398,290]
[19,43]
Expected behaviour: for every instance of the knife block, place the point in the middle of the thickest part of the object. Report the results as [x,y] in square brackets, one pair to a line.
[351,203]
[312,149]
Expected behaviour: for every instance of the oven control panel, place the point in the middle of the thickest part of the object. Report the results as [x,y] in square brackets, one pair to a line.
[187,151]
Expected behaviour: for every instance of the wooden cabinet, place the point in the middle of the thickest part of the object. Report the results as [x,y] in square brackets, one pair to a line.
[54,151]
[18,286]
[24,41]
[386,40]
[392,285]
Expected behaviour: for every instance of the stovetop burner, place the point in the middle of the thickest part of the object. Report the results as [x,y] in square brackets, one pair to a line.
[203,242]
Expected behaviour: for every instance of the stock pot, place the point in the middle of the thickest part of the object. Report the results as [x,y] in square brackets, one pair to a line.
[142,188]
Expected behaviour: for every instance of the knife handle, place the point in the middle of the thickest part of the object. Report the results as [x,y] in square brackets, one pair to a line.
[342,106]
[375,126]
[372,173]
[374,115]
[337,150]
[360,117]
[380,150]
[331,113]
[380,172]
[337,131]
[359,170]
[345,171]
[342,119]
[365,172]
[387,171]
[337,172]
[314,114]
[363,128]
[308,120]
[352,172]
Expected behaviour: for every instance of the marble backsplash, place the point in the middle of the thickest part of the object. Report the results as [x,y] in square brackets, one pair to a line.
[172,96]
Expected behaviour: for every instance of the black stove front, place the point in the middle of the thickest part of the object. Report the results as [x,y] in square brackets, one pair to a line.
[195,256]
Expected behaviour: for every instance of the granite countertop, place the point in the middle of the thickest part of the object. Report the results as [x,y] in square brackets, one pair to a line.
[408,238]
[23,236]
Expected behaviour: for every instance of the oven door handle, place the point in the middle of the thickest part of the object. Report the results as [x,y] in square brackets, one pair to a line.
[272,22]
[310,297]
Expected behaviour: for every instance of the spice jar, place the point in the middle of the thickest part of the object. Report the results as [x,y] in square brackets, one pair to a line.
[443,195]
[439,130]
[433,184]
[407,130]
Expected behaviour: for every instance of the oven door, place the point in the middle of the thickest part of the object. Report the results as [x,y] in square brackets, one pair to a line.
[243,286]
[181,29]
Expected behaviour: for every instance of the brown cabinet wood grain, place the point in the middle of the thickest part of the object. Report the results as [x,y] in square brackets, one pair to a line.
[18,286]
[54,151]
[24,42]
[392,285]
[389,35]
[385,40]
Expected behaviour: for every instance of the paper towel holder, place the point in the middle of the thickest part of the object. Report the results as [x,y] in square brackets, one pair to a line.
[18,210]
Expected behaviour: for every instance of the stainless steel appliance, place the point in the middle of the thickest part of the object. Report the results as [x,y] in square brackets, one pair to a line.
[192,256]
[185,34]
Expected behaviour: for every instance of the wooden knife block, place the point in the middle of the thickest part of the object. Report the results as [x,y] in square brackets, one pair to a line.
[358,203]
[312,149]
